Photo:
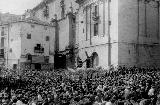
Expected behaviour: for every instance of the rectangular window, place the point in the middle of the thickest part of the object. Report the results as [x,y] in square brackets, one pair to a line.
[88,21]
[74,20]
[96,10]
[2,53]
[95,29]
[2,31]
[47,38]
[2,42]
[28,36]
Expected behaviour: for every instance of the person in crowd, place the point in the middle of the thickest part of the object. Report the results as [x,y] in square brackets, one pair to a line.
[123,86]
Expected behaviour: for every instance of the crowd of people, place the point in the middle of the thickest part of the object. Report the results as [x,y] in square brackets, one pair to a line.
[123,86]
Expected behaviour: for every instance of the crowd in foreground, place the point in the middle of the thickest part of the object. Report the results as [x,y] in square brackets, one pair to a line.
[133,86]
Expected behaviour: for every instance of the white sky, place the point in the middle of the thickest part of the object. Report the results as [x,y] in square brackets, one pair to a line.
[17,6]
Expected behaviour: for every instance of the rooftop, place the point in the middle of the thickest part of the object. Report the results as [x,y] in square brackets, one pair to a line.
[42,4]
[33,20]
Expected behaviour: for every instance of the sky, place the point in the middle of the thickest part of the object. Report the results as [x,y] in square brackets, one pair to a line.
[17,7]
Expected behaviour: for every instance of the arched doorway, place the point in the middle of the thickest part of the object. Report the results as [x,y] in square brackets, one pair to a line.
[95,59]
[60,61]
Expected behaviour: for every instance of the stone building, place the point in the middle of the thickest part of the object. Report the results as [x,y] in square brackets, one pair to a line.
[62,14]
[27,44]
[118,32]
[93,33]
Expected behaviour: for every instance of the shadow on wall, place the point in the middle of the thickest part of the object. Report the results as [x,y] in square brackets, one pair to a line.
[91,61]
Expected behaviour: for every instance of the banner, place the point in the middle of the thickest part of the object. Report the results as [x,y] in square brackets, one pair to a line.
[38,59]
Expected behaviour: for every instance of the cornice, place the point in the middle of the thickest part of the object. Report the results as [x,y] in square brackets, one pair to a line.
[42,4]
